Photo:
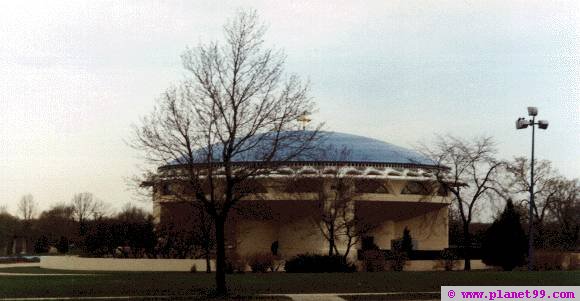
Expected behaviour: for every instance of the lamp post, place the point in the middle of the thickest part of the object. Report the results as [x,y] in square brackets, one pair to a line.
[522,123]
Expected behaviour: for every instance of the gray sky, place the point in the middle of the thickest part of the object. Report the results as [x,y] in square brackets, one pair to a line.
[74,76]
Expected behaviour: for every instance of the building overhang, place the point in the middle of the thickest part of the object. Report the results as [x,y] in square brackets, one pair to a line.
[395,171]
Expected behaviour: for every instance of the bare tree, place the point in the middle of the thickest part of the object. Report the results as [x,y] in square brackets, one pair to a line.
[544,184]
[337,212]
[57,224]
[237,105]
[27,207]
[130,212]
[204,236]
[466,168]
[338,221]
[100,209]
[60,210]
[8,228]
[82,204]
[565,208]
[86,206]
[545,188]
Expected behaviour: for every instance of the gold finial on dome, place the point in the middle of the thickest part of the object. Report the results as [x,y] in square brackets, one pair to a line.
[304,119]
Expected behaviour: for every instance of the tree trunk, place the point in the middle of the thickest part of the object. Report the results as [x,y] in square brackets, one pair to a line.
[466,248]
[331,241]
[349,245]
[82,227]
[220,276]
[207,261]
[539,241]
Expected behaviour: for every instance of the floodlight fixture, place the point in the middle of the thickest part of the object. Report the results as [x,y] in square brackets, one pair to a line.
[532,111]
[521,123]
[543,124]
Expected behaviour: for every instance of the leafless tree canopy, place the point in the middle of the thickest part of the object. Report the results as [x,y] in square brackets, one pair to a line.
[555,201]
[100,209]
[27,207]
[471,174]
[131,213]
[565,209]
[236,103]
[545,185]
[61,210]
[338,221]
[86,206]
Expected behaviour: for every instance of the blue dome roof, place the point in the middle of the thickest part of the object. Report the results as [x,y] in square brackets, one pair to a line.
[335,147]
[353,148]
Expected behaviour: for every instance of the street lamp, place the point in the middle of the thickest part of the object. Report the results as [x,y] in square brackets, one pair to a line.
[522,123]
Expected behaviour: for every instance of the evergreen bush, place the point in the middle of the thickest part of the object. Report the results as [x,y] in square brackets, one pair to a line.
[504,243]
[313,263]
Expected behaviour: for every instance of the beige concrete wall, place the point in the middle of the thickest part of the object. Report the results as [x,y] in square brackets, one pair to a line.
[475,265]
[255,236]
[294,227]
[292,224]
[117,264]
[301,236]
[430,230]
[383,234]
[184,265]
[156,212]
[438,265]
[292,221]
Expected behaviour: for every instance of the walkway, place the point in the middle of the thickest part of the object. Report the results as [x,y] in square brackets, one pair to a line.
[338,296]
[20,265]
[295,297]
[33,274]
[314,297]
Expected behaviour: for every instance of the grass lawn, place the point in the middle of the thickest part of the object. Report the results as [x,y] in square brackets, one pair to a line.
[199,284]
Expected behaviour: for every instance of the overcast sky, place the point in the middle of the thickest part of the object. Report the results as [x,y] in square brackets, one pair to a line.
[75,75]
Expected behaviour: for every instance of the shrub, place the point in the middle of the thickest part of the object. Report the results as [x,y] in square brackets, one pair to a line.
[401,250]
[261,262]
[449,259]
[374,261]
[504,243]
[312,263]
[63,245]
[41,245]
[234,263]
[397,260]
[406,241]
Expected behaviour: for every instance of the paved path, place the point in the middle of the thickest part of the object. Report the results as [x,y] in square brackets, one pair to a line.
[20,265]
[31,265]
[36,274]
[295,297]
[338,296]
[93,298]
[315,297]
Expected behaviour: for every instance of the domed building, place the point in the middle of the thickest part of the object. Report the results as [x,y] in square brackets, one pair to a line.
[374,189]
